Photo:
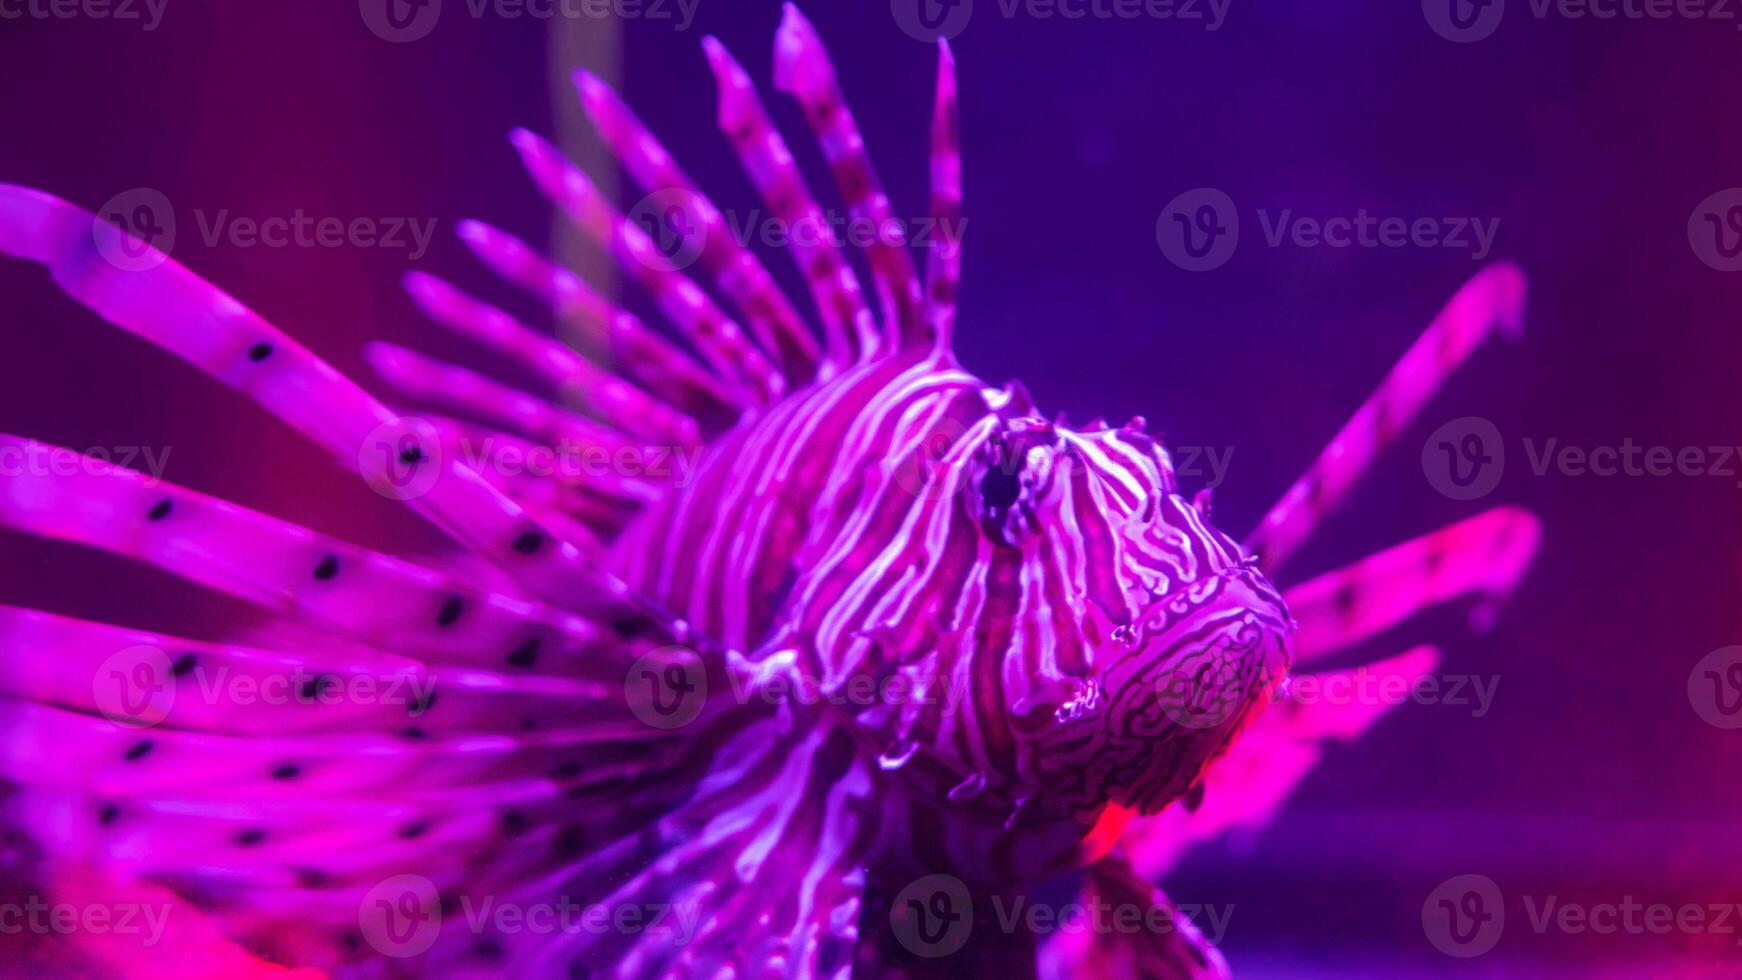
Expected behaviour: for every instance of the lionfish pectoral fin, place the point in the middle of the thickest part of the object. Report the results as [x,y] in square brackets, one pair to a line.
[1166,945]
[759,871]
[1245,788]
[1492,301]
[157,299]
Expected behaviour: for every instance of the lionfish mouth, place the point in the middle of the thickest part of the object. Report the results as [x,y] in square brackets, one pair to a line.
[1176,687]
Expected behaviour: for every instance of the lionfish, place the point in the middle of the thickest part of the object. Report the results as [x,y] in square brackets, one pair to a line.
[901,651]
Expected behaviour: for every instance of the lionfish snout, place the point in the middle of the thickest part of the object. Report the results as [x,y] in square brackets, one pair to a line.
[1170,691]
[1147,638]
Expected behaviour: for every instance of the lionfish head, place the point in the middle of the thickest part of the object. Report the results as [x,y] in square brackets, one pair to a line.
[1152,637]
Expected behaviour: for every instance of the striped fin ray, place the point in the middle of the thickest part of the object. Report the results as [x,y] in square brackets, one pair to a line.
[1493,300]
[1486,555]
[1174,949]
[368,597]
[723,344]
[849,329]
[759,873]
[944,266]
[737,270]
[803,69]
[602,395]
[610,335]
[1247,786]
[160,301]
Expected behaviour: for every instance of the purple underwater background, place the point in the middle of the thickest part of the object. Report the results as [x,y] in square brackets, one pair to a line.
[1591,778]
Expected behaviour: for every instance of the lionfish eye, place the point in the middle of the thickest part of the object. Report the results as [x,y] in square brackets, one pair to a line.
[1012,476]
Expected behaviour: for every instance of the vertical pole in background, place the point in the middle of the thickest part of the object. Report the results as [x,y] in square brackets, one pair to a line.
[594,43]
